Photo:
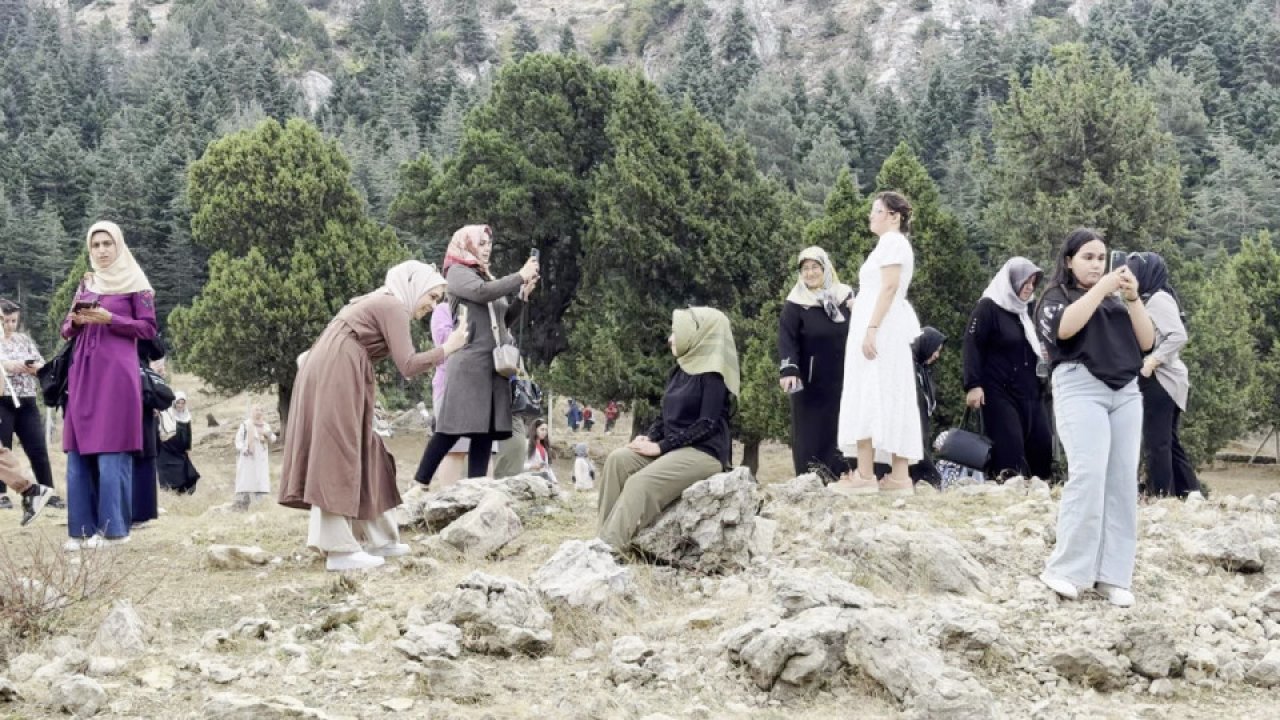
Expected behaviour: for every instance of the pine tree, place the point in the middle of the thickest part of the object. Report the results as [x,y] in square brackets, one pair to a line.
[417,23]
[1237,199]
[694,77]
[1080,145]
[841,230]
[1221,360]
[140,23]
[1257,269]
[737,54]
[524,41]
[826,160]
[290,246]
[1181,114]
[471,35]
[568,45]
[761,116]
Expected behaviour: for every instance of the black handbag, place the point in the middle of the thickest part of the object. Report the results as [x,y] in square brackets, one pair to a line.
[965,447]
[526,396]
[156,393]
[54,376]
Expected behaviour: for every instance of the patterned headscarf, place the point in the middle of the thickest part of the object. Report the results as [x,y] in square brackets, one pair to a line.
[464,248]
[833,292]
[1003,290]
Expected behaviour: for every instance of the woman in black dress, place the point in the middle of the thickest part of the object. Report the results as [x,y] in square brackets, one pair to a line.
[1001,355]
[812,333]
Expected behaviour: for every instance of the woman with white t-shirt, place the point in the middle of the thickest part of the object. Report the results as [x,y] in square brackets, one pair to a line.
[878,414]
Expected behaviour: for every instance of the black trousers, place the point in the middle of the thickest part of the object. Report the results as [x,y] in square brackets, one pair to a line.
[1021,438]
[441,443]
[26,423]
[1169,472]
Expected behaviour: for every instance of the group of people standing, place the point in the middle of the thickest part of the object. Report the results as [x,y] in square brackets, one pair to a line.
[1106,341]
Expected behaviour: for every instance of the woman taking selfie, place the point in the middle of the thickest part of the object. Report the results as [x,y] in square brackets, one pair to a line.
[1096,329]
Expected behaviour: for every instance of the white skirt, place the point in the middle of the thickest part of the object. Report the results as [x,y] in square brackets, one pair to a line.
[879,397]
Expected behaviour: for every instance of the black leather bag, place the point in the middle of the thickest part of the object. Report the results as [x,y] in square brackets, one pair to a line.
[526,396]
[54,376]
[966,447]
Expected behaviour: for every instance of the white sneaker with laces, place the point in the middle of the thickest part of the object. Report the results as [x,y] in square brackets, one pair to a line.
[338,562]
[1060,586]
[1118,596]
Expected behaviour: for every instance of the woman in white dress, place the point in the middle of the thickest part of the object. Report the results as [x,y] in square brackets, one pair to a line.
[878,414]
[253,464]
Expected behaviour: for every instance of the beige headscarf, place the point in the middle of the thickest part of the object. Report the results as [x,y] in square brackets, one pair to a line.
[833,292]
[464,248]
[408,282]
[120,277]
[704,343]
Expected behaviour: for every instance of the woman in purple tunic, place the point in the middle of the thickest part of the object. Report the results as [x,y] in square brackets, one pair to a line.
[113,309]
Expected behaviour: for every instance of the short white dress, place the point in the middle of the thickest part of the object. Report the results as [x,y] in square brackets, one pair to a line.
[879,396]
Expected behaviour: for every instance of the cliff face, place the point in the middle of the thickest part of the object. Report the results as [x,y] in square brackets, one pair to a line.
[791,36]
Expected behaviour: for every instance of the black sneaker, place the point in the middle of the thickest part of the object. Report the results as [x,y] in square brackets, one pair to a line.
[56,502]
[32,504]
[5,503]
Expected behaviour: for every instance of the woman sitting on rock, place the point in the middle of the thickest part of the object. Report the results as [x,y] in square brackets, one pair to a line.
[690,439]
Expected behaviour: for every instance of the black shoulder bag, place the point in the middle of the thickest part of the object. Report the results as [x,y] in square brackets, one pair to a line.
[965,447]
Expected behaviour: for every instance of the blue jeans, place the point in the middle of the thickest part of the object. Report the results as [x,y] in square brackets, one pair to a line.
[1101,431]
[99,494]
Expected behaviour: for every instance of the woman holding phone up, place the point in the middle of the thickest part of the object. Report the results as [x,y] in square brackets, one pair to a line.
[1096,329]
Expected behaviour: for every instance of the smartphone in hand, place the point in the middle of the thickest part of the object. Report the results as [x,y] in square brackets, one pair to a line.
[1118,260]
[83,305]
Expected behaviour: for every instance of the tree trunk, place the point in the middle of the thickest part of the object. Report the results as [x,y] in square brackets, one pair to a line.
[751,455]
[284,395]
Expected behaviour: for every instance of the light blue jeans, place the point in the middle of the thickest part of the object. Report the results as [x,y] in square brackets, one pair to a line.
[1101,431]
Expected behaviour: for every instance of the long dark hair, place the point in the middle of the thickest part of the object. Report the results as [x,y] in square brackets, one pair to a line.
[1076,239]
[533,438]
[897,202]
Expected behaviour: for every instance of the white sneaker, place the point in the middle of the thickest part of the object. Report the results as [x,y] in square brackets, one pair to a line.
[1060,586]
[338,562]
[1118,596]
[392,550]
[91,543]
[1195,495]
[73,545]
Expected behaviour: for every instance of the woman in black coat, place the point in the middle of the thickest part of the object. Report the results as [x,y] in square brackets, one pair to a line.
[926,349]
[812,332]
[174,466]
[1001,355]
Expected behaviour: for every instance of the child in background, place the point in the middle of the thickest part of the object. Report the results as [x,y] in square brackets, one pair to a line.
[584,472]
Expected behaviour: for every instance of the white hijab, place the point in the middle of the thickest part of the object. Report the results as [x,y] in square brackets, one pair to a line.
[833,292]
[408,282]
[121,277]
[170,418]
[1003,290]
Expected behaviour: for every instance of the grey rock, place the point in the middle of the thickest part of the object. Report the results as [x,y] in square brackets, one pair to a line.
[434,511]
[795,656]
[78,695]
[22,667]
[8,691]
[1161,688]
[1228,546]
[968,633]
[254,628]
[929,560]
[796,591]
[883,647]
[1091,667]
[584,574]
[236,557]
[1151,649]
[799,489]
[628,660]
[497,616]
[218,672]
[316,88]
[761,543]
[434,640]
[1268,601]
[709,529]
[1266,672]
[524,489]
[336,616]
[486,528]
[236,706]
[106,666]
[450,680]
[121,633]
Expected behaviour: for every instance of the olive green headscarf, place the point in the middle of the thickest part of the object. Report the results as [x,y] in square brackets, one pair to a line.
[704,343]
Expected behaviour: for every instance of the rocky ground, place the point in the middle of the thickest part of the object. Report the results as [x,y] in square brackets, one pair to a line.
[774,600]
